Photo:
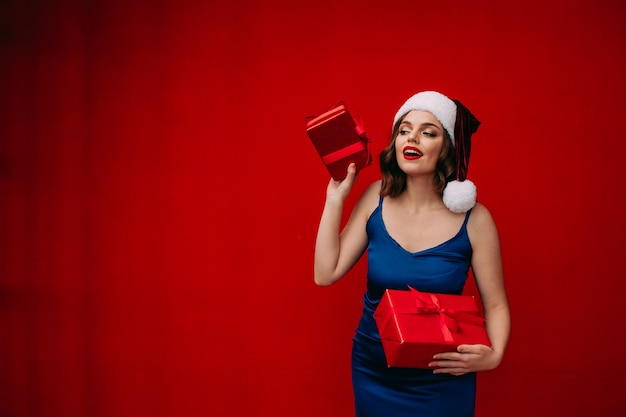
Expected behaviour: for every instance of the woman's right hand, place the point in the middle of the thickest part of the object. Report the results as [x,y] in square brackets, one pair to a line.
[339,190]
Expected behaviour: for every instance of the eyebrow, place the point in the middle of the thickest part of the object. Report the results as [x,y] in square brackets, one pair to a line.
[422,124]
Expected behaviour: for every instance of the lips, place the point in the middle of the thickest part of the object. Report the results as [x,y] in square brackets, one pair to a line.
[411,152]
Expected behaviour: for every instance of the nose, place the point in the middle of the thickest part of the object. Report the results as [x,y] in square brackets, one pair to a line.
[413,137]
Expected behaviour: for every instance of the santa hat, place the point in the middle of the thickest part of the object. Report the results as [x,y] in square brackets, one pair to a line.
[460,194]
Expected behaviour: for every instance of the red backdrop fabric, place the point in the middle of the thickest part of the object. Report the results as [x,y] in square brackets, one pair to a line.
[159,197]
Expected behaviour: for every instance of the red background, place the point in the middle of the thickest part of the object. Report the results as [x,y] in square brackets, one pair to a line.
[160,198]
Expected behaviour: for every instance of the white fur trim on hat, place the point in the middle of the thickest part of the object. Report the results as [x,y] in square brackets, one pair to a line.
[433,102]
[459,196]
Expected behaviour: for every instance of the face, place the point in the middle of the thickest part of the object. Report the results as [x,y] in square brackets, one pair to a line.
[418,143]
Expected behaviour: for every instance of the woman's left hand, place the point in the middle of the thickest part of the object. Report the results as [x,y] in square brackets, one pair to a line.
[467,358]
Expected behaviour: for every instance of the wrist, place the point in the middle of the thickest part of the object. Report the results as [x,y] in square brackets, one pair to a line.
[496,357]
[335,202]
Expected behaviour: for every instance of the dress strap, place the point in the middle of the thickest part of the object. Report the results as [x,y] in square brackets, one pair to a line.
[467,215]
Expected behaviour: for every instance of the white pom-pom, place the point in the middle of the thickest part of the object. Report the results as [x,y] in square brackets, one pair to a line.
[459,196]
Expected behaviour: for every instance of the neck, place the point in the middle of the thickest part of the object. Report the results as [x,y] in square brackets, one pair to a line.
[420,195]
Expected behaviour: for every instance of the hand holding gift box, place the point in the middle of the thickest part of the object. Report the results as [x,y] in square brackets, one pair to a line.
[414,326]
[339,140]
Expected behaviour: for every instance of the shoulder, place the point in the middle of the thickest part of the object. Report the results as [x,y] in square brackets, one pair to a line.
[480,214]
[372,191]
[481,224]
[369,199]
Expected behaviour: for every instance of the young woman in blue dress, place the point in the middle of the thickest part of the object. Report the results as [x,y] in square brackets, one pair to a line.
[421,226]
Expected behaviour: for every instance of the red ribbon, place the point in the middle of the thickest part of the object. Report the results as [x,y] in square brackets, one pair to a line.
[343,153]
[360,130]
[428,303]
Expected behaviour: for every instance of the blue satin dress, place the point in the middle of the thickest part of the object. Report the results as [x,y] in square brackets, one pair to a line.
[380,391]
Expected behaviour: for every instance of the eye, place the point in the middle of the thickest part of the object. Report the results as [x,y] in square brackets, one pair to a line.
[404,132]
[429,134]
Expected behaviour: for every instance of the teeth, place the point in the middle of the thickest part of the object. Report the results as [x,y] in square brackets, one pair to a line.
[412,152]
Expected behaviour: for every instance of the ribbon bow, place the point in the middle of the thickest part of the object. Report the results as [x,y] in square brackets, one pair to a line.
[428,303]
[358,125]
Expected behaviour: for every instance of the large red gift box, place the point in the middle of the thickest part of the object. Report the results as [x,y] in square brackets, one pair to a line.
[339,140]
[415,325]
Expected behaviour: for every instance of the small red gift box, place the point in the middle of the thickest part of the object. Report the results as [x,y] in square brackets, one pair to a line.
[339,140]
[414,326]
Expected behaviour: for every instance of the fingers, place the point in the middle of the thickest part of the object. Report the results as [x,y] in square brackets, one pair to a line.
[468,358]
[344,186]
[449,360]
[351,174]
[453,367]
[455,361]
[451,371]
[469,349]
[461,350]
[352,169]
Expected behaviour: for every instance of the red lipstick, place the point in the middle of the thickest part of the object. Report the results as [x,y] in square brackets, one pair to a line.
[411,152]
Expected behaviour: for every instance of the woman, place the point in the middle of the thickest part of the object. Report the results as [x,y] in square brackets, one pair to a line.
[421,227]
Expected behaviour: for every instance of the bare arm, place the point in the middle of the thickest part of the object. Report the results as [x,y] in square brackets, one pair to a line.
[487,268]
[335,252]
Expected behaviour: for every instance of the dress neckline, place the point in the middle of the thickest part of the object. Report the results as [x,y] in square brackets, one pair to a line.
[445,242]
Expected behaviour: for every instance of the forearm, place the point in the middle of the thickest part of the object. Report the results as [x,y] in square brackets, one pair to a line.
[498,323]
[328,243]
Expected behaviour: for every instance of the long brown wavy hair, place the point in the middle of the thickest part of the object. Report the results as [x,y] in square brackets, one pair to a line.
[394,180]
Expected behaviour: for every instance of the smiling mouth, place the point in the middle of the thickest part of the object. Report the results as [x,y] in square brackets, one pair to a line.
[412,153]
